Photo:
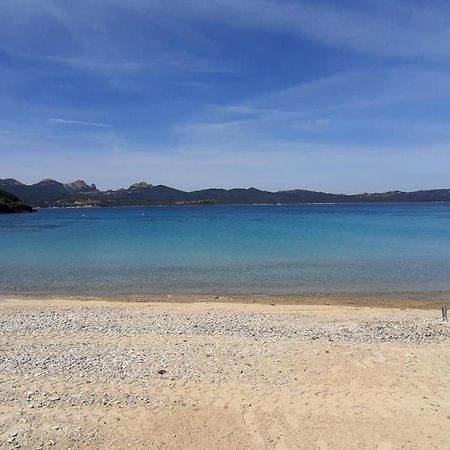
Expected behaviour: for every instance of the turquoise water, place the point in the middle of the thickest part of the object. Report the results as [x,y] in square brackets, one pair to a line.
[227,249]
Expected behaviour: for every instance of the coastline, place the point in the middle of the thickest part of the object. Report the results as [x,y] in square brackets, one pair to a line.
[172,205]
[394,300]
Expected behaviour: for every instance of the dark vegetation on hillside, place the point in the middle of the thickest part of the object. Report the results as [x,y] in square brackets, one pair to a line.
[53,193]
[11,204]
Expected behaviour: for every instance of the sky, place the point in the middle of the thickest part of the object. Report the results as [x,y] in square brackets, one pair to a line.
[338,96]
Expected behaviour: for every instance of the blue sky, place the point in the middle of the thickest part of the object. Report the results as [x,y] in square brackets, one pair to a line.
[342,96]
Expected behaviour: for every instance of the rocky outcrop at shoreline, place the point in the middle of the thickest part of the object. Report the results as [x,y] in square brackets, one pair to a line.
[11,204]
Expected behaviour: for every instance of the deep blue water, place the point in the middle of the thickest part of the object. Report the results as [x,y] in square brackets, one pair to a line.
[230,249]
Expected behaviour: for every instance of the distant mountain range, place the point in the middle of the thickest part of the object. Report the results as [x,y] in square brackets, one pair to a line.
[51,193]
[11,204]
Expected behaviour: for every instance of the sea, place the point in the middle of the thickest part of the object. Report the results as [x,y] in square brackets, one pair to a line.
[276,249]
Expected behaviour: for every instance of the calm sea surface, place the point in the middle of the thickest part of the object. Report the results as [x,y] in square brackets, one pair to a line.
[230,249]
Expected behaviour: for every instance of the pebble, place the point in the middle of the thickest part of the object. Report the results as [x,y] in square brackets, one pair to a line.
[103,322]
[73,352]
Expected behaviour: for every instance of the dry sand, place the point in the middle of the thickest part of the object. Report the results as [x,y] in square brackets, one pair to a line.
[210,375]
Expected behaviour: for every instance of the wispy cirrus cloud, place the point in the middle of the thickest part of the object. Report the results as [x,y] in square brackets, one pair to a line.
[109,38]
[395,29]
[95,34]
[383,106]
[58,120]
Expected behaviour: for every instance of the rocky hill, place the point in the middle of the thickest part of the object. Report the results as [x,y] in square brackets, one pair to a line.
[78,193]
[11,204]
[47,192]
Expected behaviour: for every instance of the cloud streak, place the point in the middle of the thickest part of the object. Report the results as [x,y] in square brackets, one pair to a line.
[79,122]
[396,30]
[377,107]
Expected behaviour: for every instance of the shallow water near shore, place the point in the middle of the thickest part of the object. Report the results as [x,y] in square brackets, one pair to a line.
[364,248]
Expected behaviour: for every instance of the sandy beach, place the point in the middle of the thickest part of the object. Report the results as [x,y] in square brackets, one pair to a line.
[220,373]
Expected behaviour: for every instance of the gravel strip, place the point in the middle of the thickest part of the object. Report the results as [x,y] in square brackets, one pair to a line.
[107,322]
[99,343]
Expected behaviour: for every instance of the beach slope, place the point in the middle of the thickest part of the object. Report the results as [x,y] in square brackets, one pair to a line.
[76,374]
